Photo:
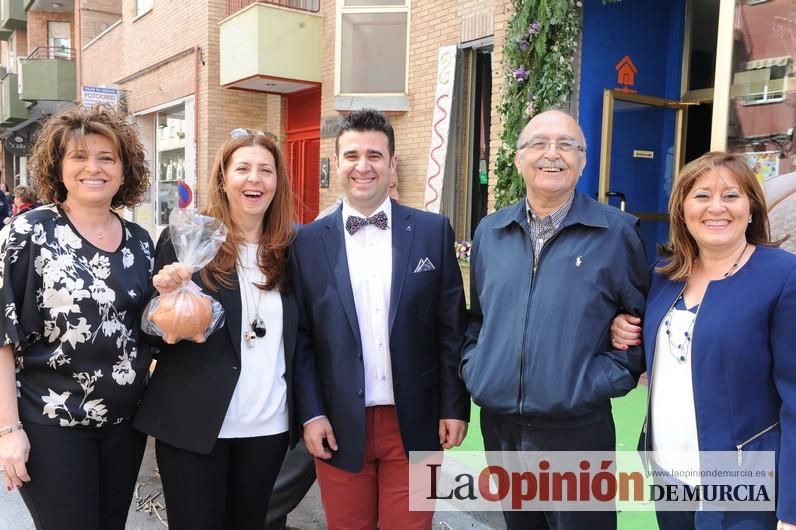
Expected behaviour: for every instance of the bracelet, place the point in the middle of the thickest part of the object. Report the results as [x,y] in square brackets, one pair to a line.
[11,428]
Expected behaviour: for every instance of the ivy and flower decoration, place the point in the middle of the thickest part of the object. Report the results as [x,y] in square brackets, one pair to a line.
[538,54]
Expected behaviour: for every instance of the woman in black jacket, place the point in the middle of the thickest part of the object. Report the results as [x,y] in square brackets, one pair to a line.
[221,410]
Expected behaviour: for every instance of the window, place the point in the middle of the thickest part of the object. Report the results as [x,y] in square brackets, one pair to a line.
[762,81]
[171,162]
[372,46]
[142,6]
[59,40]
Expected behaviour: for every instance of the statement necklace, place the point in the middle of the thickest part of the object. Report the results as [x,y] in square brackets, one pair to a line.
[257,325]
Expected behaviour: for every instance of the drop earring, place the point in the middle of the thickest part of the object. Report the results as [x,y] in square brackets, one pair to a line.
[750,220]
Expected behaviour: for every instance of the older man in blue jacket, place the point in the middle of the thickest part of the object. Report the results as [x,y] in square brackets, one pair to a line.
[548,275]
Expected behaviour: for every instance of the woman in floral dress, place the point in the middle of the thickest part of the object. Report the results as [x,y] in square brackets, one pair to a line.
[73,279]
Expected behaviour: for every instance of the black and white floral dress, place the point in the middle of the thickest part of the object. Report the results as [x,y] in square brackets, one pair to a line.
[72,313]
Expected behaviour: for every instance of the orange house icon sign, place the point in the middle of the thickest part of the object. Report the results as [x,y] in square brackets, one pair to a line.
[626,74]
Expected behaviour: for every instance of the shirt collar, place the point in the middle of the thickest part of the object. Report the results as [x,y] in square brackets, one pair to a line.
[556,217]
[385,207]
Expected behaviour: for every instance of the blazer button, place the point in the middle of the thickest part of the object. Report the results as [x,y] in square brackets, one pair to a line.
[234,367]
[360,392]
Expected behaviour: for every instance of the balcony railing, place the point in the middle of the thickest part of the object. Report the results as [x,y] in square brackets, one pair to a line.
[52,52]
[233,6]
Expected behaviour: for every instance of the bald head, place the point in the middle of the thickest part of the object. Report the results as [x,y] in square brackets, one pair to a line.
[552,117]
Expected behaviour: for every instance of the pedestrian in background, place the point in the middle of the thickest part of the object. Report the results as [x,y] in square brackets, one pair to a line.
[74,277]
[221,410]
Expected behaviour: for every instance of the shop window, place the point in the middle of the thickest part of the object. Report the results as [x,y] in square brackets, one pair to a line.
[372,46]
[170,163]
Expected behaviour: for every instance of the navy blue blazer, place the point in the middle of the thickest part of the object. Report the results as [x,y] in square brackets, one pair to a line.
[189,393]
[743,363]
[426,321]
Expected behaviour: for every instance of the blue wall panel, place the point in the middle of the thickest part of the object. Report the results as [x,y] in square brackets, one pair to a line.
[650,32]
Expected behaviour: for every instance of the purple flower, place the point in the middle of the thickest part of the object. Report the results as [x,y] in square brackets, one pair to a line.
[531,106]
[534,27]
[523,45]
[521,74]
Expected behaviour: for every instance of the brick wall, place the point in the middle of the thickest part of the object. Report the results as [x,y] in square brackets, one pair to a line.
[97,16]
[37,27]
[144,56]
[433,24]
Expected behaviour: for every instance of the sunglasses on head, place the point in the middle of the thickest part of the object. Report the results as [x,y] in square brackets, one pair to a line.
[241,133]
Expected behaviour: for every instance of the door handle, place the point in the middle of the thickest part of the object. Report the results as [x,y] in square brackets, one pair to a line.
[619,195]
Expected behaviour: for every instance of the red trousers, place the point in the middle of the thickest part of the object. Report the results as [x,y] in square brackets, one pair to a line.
[379,494]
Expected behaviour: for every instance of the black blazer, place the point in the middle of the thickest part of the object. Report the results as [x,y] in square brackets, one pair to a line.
[426,323]
[190,390]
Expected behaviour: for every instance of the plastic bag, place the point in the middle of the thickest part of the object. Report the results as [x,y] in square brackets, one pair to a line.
[187,313]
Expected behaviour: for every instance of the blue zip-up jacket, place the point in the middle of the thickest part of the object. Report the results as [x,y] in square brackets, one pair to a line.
[743,364]
[538,343]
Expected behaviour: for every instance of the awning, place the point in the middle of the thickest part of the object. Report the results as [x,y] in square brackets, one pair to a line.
[767,63]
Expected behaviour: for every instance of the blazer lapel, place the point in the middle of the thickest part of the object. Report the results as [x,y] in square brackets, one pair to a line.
[403,231]
[334,244]
[230,299]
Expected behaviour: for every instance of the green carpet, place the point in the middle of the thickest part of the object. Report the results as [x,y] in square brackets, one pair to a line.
[629,414]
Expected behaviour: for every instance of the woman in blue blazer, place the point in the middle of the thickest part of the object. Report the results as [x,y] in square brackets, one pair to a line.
[719,337]
[221,410]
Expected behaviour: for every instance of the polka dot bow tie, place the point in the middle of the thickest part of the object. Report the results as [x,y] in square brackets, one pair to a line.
[354,223]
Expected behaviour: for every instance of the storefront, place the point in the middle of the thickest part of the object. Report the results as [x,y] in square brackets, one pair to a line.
[663,81]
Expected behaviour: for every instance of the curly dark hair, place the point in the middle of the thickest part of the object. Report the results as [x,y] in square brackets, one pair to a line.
[74,124]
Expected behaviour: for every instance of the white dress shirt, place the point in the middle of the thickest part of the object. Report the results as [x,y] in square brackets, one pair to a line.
[369,253]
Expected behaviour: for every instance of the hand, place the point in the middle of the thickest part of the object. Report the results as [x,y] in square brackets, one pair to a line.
[171,277]
[625,331]
[452,433]
[782,525]
[14,451]
[315,433]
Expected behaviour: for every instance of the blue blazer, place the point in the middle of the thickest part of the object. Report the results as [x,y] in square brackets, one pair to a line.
[744,362]
[426,322]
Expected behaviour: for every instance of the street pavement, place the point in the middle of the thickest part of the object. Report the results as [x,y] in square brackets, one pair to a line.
[147,511]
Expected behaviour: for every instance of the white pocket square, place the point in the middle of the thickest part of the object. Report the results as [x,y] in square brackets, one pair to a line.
[424,265]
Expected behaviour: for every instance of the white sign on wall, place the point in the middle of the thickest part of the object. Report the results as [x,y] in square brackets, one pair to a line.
[94,95]
[440,124]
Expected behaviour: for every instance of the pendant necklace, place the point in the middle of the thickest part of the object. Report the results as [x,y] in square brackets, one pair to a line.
[680,349]
[257,325]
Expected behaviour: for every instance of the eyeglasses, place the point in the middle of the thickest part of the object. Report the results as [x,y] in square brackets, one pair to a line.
[241,133]
[541,145]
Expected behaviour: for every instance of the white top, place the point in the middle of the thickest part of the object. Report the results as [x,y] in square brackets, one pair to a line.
[259,403]
[673,414]
[369,253]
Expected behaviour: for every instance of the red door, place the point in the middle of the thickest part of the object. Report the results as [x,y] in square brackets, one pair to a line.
[303,150]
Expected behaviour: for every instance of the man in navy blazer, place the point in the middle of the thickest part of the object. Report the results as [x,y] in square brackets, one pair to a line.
[382,322]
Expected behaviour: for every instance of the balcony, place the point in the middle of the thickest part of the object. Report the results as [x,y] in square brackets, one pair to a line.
[12,109]
[273,47]
[48,74]
[12,15]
